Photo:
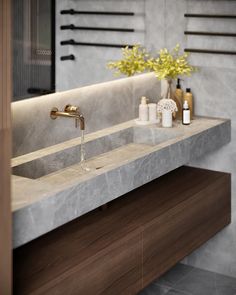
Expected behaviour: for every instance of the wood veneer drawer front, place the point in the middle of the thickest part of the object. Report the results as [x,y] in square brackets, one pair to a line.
[116,271]
[101,252]
[175,234]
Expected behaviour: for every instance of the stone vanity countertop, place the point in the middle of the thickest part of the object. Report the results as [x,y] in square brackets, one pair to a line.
[42,204]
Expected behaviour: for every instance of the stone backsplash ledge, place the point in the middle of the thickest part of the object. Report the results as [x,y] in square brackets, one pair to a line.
[103,105]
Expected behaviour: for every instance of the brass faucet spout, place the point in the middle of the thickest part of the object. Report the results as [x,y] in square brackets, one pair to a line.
[81,122]
[69,112]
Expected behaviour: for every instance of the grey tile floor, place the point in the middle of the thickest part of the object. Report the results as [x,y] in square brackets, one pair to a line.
[188,280]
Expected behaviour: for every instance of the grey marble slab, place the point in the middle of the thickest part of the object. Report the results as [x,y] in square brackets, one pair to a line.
[134,156]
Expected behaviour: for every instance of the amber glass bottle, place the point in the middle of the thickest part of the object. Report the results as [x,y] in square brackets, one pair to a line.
[178,98]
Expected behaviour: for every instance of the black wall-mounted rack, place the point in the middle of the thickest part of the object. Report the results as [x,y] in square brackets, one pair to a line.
[224,16]
[68,57]
[73,27]
[73,42]
[72,12]
[193,50]
[216,34]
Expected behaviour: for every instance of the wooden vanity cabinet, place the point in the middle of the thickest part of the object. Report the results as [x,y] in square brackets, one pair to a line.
[183,228]
[122,249]
[117,270]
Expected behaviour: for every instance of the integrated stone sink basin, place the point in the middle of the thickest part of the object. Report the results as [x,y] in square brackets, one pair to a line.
[100,151]
[49,187]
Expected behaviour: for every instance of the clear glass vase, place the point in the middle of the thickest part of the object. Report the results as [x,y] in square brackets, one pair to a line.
[166,88]
[167,92]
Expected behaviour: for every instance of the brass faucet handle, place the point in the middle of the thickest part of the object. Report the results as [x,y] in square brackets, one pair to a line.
[53,113]
[71,109]
[69,112]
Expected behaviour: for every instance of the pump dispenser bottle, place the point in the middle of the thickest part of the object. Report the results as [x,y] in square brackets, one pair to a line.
[143,109]
[178,97]
[186,114]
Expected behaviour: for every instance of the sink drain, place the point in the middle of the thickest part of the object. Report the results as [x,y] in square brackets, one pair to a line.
[97,168]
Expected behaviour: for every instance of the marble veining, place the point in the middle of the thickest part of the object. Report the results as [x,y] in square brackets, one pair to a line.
[135,155]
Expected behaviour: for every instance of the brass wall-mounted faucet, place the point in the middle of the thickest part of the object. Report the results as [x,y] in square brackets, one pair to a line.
[69,112]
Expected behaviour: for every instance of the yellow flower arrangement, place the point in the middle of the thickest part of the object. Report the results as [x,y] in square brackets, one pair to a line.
[168,64]
[134,61]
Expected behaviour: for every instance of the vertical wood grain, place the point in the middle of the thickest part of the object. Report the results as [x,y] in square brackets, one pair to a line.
[5,147]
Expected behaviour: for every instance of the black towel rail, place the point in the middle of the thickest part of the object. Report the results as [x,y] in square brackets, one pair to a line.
[229,16]
[210,51]
[73,42]
[68,57]
[73,12]
[216,34]
[73,27]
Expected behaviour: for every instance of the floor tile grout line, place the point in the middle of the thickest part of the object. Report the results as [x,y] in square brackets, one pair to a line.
[184,276]
[210,271]
[216,291]
[173,288]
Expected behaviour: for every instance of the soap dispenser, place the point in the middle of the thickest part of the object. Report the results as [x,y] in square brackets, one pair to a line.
[143,109]
[178,98]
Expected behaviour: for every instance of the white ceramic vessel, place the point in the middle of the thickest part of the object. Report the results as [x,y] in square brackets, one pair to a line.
[166,118]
